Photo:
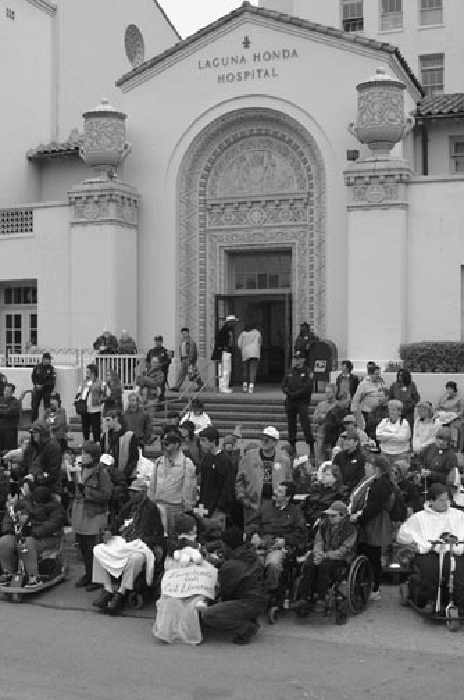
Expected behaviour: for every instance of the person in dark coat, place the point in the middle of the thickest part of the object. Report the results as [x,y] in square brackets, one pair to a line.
[303,342]
[139,519]
[137,420]
[9,419]
[43,520]
[121,444]
[43,382]
[222,352]
[106,343]
[346,382]
[438,461]
[405,390]
[41,463]
[351,462]
[3,383]
[217,483]
[373,520]
[164,360]
[297,387]
[241,590]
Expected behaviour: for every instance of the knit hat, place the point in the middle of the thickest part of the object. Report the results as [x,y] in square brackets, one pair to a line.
[158,338]
[233,537]
[46,356]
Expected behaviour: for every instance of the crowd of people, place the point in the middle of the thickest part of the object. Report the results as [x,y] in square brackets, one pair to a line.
[221,514]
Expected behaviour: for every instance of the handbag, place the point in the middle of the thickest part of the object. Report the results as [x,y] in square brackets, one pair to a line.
[81,406]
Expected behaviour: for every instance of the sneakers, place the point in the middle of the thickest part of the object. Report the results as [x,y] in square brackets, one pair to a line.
[251,389]
[375,595]
[103,600]
[33,582]
[245,637]
[5,578]
[116,604]
[245,387]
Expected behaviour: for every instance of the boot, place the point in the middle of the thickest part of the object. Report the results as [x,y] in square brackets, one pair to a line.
[103,600]
[245,637]
[116,605]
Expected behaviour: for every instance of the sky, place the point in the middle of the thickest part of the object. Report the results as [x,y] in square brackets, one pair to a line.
[190,15]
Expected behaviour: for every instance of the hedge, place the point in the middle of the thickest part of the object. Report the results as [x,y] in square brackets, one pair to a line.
[433,357]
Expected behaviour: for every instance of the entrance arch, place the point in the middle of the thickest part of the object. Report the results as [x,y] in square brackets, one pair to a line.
[252,180]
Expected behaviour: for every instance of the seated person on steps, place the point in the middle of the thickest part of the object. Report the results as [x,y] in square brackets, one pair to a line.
[436,519]
[42,522]
[279,523]
[333,549]
[136,539]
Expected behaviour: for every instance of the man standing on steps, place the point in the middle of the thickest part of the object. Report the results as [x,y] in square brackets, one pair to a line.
[222,353]
[164,359]
[298,387]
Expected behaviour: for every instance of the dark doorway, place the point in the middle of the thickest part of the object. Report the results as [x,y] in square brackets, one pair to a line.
[272,315]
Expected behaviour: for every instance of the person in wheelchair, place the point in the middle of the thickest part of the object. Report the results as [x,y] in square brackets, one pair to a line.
[42,520]
[135,541]
[279,523]
[333,549]
[436,521]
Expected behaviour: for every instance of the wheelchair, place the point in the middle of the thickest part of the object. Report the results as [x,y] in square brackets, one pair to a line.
[143,593]
[444,609]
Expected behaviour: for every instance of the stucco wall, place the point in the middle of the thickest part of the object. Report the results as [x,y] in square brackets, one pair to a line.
[439,144]
[25,58]
[435,257]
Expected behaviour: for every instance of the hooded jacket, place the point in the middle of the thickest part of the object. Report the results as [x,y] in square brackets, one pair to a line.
[46,519]
[241,576]
[429,524]
[442,464]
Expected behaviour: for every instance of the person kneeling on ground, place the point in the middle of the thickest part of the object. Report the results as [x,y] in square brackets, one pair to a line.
[42,521]
[140,541]
[333,548]
[279,523]
[241,590]
[432,523]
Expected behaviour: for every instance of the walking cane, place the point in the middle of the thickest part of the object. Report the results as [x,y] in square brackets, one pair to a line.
[441,556]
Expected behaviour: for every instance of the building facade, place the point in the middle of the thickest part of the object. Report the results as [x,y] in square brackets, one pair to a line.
[244,193]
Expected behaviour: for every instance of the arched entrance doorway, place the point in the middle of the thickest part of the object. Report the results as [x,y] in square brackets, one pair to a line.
[251,231]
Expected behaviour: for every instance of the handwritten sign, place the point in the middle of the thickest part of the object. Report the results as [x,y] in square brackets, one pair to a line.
[190,581]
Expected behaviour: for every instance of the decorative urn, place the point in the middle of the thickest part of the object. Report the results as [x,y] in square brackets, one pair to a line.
[104,145]
[381,123]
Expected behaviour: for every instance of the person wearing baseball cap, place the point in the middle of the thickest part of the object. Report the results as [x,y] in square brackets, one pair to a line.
[298,386]
[222,352]
[438,461]
[260,472]
[43,382]
[334,545]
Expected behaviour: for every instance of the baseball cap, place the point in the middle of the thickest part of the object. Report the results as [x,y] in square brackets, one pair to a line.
[337,507]
[107,460]
[271,432]
[350,418]
[138,485]
[39,426]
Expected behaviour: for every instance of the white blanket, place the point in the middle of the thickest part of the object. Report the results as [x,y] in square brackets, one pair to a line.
[113,556]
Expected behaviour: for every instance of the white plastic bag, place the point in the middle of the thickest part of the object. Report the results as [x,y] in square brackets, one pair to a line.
[145,468]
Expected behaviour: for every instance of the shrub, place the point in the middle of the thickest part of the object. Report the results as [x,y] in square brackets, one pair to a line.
[433,356]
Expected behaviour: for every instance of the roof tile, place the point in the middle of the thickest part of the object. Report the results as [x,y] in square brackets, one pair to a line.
[441,105]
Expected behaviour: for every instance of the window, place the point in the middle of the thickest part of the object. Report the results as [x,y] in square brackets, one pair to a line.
[261,271]
[18,317]
[432,71]
[431,12]
[457,154]
[19,295]
[391,16]
[352,15]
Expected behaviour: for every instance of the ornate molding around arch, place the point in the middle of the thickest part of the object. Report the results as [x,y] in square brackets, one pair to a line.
[210,223]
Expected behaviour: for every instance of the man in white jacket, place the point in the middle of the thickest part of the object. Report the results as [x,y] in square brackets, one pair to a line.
[394,434]
[428,525]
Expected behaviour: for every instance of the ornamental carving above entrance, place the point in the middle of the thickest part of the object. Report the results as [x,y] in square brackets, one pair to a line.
[254,180]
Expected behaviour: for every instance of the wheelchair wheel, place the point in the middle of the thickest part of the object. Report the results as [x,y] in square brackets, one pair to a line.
[452,618]
[359,584]
[404,595]
[273,614]
[135,600]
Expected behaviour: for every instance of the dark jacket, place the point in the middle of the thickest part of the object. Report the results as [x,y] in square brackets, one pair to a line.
[440,462]
[146,523]
[44,377]
[163,356]
[106,345]
[407,394]
[374,521]
[241,577]
[46,519]
[354,381]
[339,539]
[111,443]
[43,461]
[303,343]
[58,422]
[112,396]
[3,381]
[139,422]
[9,413]
[298,385]
[96,490]
[127,346]
[217,483]
[333,425]
[223,342]
[351,467]
[191,352]
[288,522]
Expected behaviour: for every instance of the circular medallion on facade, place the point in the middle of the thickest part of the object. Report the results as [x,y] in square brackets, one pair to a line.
[135,47]
[375,194]
[285,215]
[256,216]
